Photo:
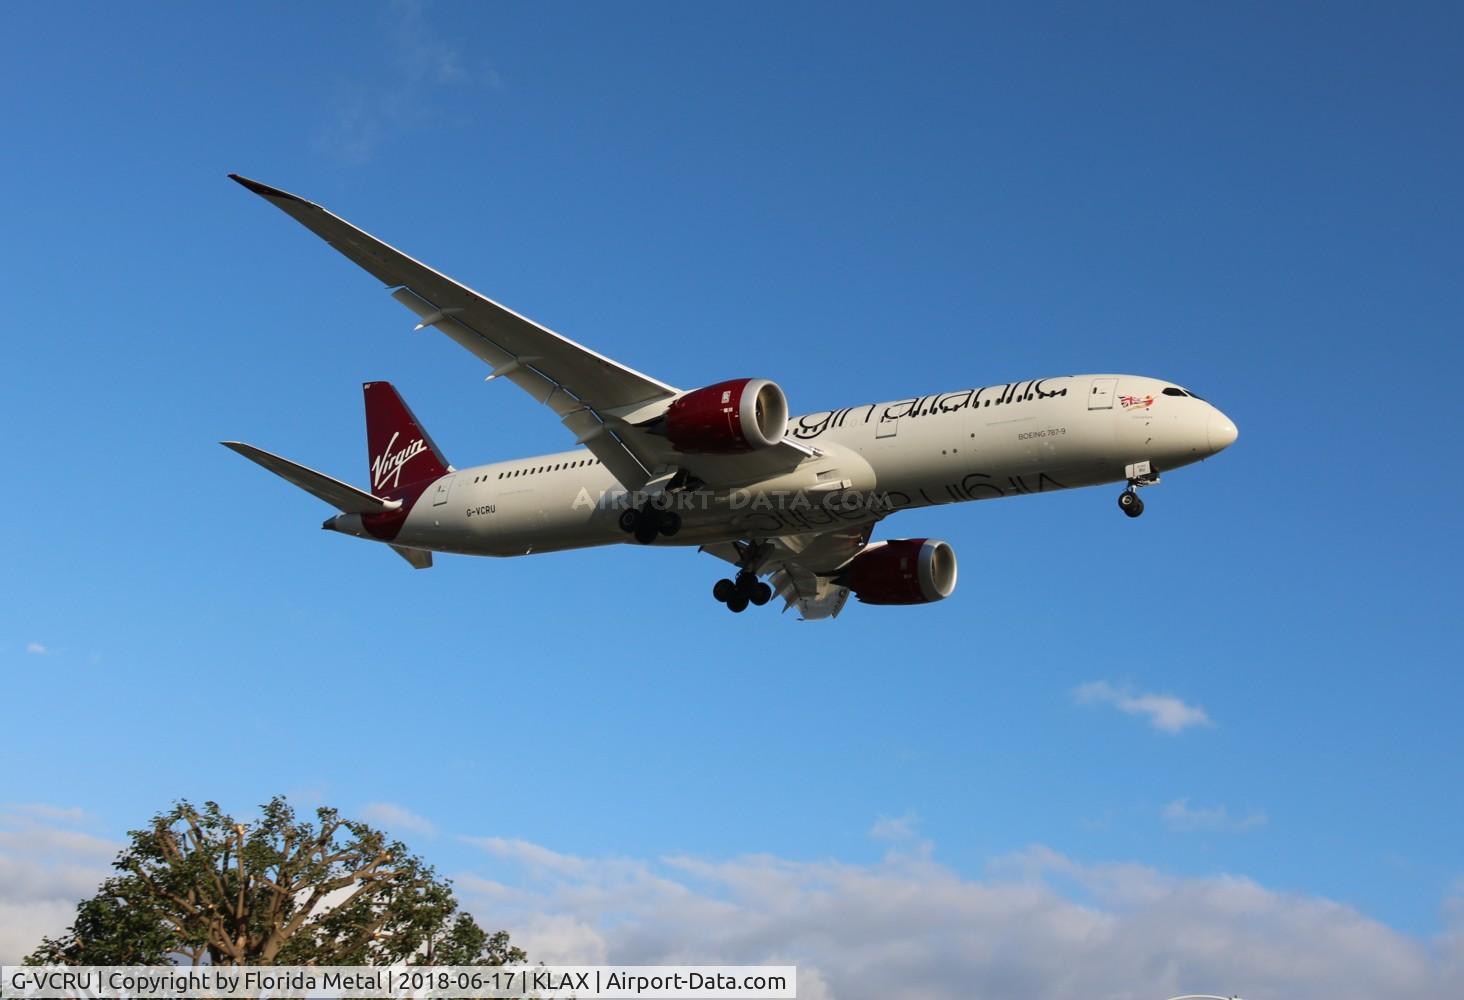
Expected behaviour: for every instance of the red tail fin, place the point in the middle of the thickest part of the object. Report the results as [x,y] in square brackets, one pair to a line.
[398,448]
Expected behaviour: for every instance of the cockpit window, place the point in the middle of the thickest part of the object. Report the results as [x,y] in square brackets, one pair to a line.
[1172,391]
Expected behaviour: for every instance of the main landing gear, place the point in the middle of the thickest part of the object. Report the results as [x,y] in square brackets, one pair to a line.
[738,594]
[1139,474]
[746,588]
[648,522]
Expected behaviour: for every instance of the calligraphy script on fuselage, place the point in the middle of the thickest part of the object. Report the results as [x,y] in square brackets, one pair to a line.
[1006,394]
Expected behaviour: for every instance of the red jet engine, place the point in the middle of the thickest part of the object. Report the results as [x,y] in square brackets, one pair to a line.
[902,571]
[742,415]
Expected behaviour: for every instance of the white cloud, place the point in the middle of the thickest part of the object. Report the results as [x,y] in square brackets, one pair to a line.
[420,52]
[396,818]
[907,926]
[69,814]
[1180,815]
[895,828]
[1036,923]
[1165,712]
[45,869]
[528,855]
[36,648]
[400,95]
[902,834]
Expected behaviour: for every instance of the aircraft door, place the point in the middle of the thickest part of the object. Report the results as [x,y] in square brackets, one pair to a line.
[1100,395]
[441,489]
[886,428]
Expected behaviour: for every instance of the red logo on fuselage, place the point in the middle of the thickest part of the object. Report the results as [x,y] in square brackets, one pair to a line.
[388,465]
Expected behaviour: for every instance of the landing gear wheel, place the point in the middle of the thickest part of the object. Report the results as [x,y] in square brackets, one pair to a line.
[628,520]
[737,605]
[645,530]
[668,522]
[760,594]
[724,590]
[1130,504]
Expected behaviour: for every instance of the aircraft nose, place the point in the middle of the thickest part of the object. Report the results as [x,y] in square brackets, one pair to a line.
[1221,431]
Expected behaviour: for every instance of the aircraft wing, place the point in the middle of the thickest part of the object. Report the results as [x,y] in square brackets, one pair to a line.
[800,567]
[579,385]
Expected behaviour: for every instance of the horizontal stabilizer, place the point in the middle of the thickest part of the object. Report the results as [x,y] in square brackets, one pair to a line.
[342,496]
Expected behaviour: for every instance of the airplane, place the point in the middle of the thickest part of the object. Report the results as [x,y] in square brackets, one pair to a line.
[791,502]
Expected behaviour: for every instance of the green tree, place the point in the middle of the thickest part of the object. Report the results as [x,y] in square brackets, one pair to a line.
[196,884]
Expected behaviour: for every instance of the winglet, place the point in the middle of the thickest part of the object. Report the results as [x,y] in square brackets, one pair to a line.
[264,190]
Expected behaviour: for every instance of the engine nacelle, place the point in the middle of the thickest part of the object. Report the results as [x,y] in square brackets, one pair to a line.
[744,414]
[902,571]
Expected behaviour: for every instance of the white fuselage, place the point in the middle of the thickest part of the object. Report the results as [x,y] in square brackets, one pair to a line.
[970,444]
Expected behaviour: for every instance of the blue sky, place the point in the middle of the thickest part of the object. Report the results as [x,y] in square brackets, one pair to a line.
[1259,202]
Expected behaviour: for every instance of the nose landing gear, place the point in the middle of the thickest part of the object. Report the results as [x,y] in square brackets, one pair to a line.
[1139,474]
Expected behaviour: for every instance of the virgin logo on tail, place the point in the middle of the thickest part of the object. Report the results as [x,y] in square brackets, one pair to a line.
[388,465]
